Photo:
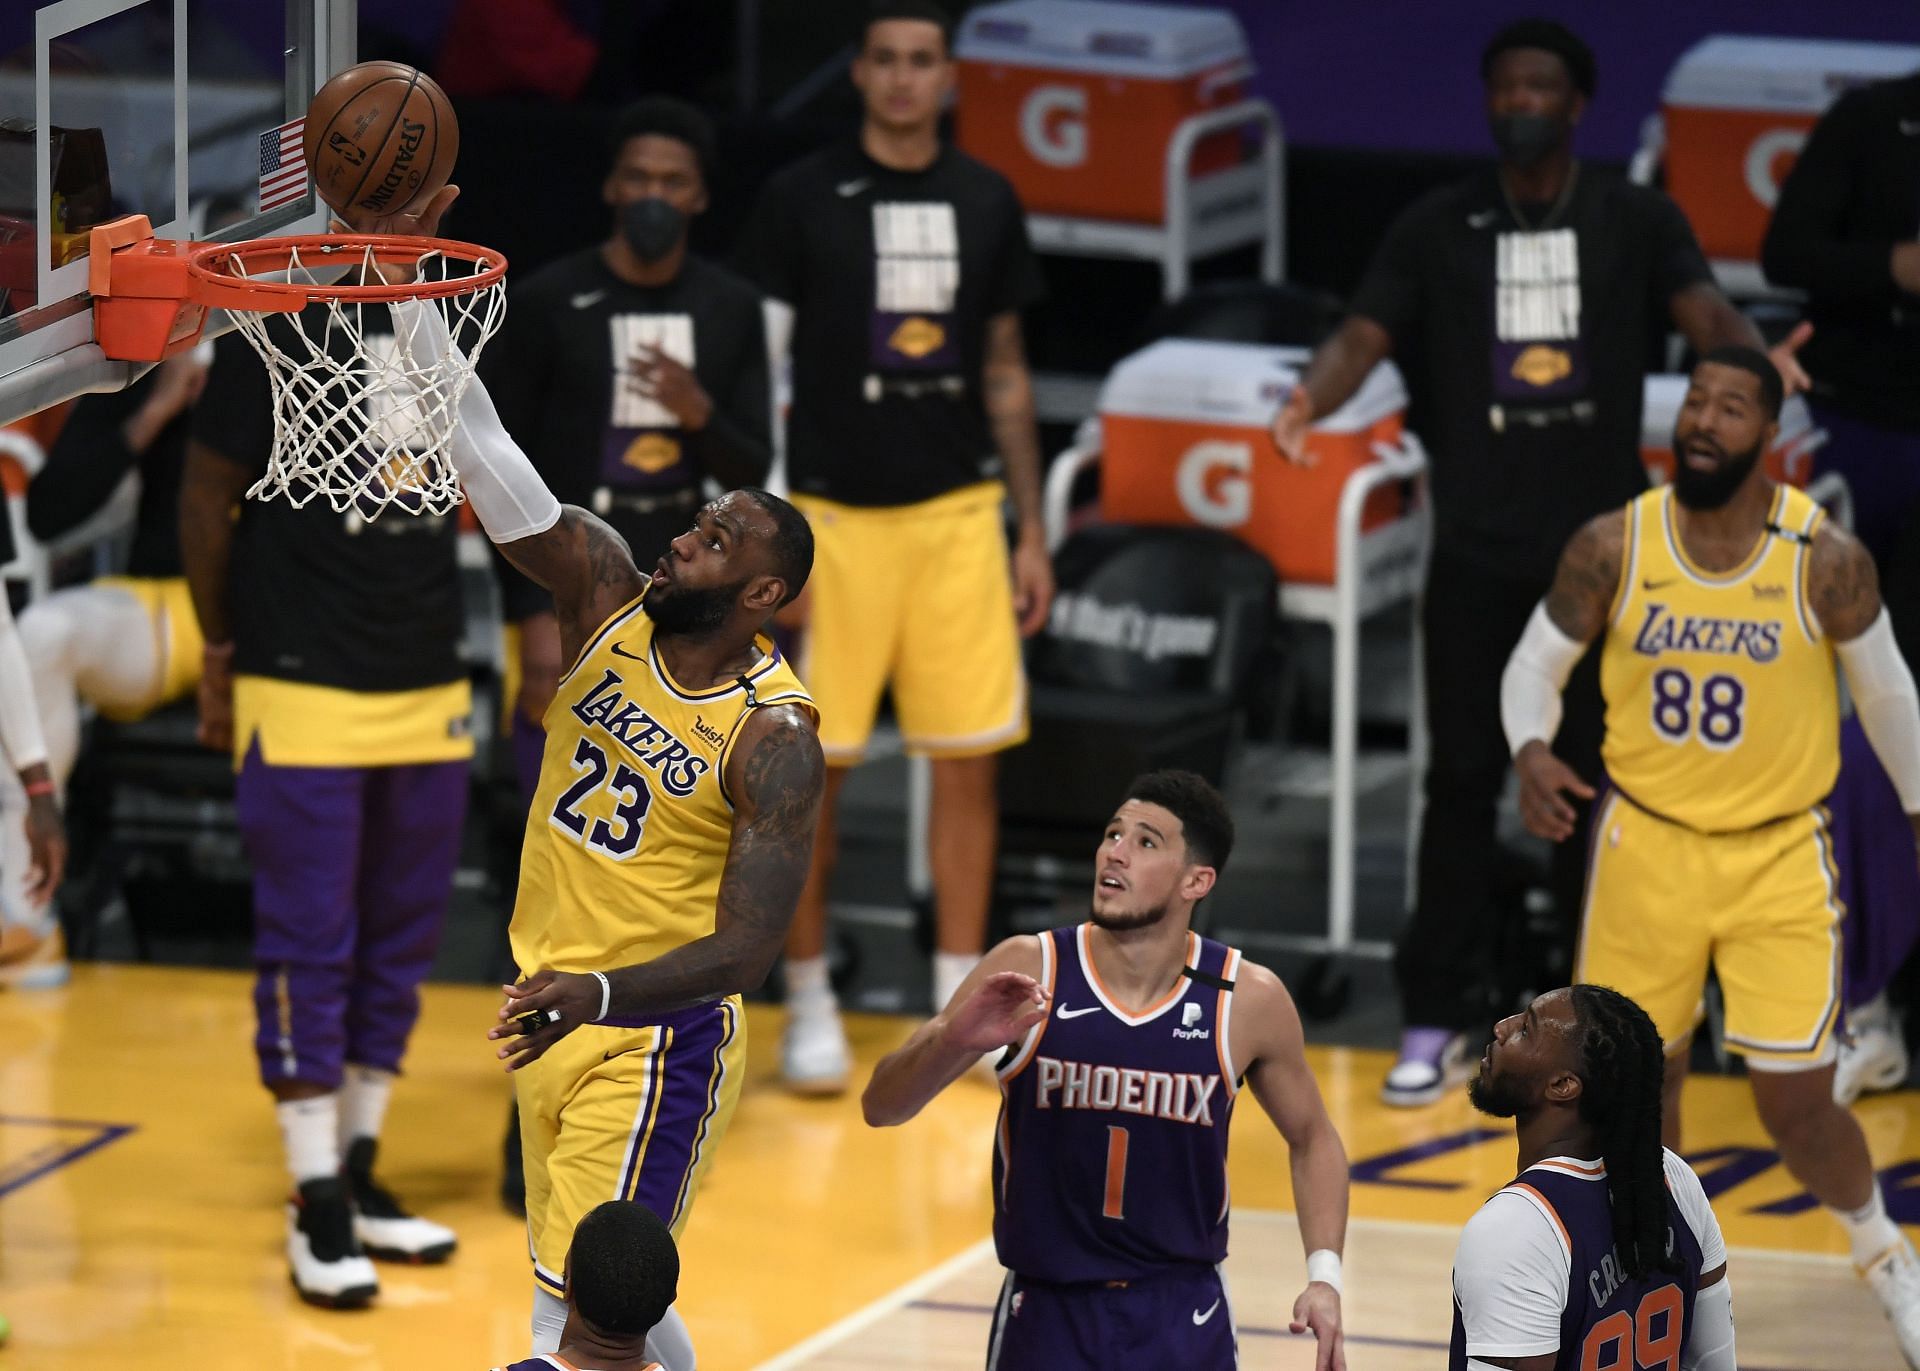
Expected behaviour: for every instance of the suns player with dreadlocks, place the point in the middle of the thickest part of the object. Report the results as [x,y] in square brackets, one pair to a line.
[1603,1250]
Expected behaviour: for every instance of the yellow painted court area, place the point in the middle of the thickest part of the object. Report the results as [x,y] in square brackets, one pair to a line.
[141,1222]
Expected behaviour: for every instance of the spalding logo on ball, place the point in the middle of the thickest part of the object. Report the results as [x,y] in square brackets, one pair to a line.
[381,138]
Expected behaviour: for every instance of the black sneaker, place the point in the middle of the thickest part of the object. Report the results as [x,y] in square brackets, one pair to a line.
[385,1229]
[328,1266]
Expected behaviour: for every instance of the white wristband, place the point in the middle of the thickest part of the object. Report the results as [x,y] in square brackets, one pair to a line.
[1323,1267]
[606,994]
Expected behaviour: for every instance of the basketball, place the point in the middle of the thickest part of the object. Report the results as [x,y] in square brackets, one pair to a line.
[380,138]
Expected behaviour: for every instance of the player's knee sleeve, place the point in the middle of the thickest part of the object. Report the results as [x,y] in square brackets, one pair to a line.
[670,1344]
[549,1318]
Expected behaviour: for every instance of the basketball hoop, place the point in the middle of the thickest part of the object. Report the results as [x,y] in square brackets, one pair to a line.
[360,415]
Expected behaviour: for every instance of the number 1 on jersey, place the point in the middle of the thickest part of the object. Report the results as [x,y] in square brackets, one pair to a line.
[1115,1207]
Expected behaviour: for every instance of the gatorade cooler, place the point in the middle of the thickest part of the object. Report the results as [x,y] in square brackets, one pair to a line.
[1074,101]
[1186,439]
[1737,112]
[1790,460]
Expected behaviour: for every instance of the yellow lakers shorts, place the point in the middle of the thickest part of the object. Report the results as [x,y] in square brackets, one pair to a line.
[919,598]
[625,1113]
[1759,906]
[177,643]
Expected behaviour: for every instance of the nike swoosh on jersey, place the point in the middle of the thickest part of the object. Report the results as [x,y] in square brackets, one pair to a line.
[1910,127]
[1656,585]
[587,299]
[1200,1318]
[1483,218]
[849,189]
[619,651]
[1064,1013]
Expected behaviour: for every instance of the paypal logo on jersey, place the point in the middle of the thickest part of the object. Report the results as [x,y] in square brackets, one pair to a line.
[678,768]
[1189,1016]
[1177,1096]
[1665,631]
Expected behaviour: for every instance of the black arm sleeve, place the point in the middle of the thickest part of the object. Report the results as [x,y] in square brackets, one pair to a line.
[87,463]
[1803,247]
[736,447]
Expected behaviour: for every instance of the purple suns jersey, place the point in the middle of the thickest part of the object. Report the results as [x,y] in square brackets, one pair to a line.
[1111,1155]
[1548,1236]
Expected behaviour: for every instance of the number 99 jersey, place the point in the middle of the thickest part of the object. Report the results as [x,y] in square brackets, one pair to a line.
[1110,1160]
[631,822]
[1722,701]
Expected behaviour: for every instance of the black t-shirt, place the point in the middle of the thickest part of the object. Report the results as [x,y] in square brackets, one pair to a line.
[91,457]
[555,371]
[1525,353]
[893,276]
[318,597]
[1853,194]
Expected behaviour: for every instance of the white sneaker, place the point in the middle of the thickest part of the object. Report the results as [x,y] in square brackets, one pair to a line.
[33,956]
[1873,1056]
[1895,1278]
[381,1226]
[814,1056]
[1416,1081]
[328,1267]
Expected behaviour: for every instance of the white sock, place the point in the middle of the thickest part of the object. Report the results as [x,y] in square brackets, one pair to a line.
[1869,1229]
[808,989]
[310,1130]
[949,969]
[1875,1013]
[549,1318]
[670,1344]
[363,1103]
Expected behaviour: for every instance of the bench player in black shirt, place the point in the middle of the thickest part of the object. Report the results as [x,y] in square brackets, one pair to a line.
[332,672]
[906,265]
[629,372]
[1519,303]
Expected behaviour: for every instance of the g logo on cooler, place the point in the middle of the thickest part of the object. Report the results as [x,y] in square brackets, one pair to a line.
[1213,485]
[1053,125]
[1764,156]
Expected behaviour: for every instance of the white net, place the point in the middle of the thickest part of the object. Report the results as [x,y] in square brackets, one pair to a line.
[360,416]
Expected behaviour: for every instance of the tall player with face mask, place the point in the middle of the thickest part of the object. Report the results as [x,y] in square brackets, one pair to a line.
[1723,603]
[630,371]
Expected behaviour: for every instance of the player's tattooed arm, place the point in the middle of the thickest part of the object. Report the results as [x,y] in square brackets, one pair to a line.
[1843,586]
[775,777]
[586,565]
[1587,577]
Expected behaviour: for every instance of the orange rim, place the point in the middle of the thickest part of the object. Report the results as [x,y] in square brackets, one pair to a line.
[216,284]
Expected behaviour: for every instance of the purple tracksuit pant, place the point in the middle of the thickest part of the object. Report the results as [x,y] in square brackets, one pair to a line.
[352,871]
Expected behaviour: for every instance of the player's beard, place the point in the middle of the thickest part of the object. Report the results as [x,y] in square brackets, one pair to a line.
[1129,921]
[1498,1097]
[686,611]
[1710,489]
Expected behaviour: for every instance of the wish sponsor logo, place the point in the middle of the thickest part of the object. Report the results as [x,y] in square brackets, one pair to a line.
[1081,618]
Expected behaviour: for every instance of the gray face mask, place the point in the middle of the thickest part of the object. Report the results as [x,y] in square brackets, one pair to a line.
[1523,139]
[652,227]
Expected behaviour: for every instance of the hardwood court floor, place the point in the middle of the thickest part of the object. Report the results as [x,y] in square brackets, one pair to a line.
[140,1219]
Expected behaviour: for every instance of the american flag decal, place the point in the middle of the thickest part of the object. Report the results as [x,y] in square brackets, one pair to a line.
[283,165]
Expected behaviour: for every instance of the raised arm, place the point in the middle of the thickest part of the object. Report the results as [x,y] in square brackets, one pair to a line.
[1573,615]
[775,777]
[1266,1026]
[1000,999]
[1843,590]
[1009,400]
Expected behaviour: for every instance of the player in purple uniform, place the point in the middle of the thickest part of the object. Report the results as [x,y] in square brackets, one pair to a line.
[1127,1040]
[622,1272]
[1603,1251]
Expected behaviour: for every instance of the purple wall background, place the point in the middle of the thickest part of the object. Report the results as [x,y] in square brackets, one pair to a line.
[1405,74]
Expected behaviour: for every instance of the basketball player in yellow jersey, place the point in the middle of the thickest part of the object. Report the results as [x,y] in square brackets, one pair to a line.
[1724,600]
[669,839]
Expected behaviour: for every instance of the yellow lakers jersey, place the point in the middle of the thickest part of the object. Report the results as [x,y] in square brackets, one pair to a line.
[1722,704]
[631,822]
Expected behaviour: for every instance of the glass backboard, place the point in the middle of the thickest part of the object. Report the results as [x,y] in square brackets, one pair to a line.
[175,109]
